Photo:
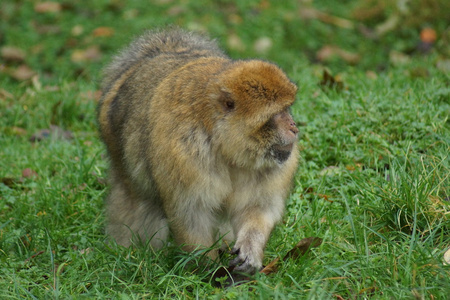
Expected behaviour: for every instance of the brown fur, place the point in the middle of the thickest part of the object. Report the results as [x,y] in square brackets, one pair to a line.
[198,143]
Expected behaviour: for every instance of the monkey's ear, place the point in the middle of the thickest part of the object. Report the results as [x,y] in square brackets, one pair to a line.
[226,101]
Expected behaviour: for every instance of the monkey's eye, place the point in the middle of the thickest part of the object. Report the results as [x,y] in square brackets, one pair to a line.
[230,105]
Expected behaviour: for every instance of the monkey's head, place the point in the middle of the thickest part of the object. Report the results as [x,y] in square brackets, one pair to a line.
[256,129]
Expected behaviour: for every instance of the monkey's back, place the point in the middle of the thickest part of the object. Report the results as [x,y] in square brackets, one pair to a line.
[129,86]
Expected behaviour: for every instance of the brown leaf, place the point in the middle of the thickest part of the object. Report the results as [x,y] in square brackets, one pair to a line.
[271,267]
[312,13]
[329,81]
[103,32]
[176,10]
[300,249]
[34,255]
[22,73]
[10,53]
[328,52]
[303,246]
[4,94]
[90,54]
[18,131]
[91,95]
[428,35]
[47,7]
[9,182]
[28,173]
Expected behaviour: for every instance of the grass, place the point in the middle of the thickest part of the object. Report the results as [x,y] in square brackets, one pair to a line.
[373,181]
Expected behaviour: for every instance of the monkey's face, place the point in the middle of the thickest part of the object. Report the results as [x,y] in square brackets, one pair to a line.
[254,101]
[284,133]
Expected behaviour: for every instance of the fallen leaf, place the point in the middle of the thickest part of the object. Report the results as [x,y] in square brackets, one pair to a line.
[312,13]
[91,95]
[10,182]
[371,75]
[234,42]
[28,173]
[398,58]
[10,53]
[303,246]
[85,251]
[390,24]
[428,35]
[34,255]
[330,170]
[4,94]
[271,267]
[47,7]
[22,73]
[18,131]
[328,52]
[331,82]
[300,249]
[103,32]
[90,54]
[447,257]
[77,30]
[263,44]
[176,10]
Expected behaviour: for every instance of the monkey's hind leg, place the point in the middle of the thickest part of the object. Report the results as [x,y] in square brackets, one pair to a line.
[134,218]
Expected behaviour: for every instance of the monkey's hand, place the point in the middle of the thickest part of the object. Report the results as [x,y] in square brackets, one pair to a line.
[249,255]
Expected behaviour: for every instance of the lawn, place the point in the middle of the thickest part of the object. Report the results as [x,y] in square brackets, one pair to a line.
[373,181]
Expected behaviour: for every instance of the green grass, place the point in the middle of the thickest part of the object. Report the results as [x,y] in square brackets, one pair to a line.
[373,182]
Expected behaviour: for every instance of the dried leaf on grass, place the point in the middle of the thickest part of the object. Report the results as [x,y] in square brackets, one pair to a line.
[10,53]
[263,44]
[9,182]
[90,54]
[234,42]
[47,7]
[428,35]
[328,81]
[29,173]
[300,249]
[312,13]
[103,31]
[447,257]
[4,94]
[22,73]
[328,52]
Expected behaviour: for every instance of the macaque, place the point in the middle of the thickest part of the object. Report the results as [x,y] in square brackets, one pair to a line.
[200,146]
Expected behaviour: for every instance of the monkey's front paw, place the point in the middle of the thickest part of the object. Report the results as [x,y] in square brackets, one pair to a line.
[246,262]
